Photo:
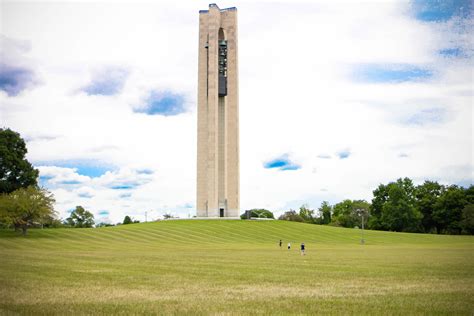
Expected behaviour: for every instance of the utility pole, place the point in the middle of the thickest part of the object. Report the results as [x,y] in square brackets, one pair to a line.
[361,214]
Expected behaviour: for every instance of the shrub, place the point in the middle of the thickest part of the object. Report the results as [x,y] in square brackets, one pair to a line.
[259,213]
[291,215]
[127,220]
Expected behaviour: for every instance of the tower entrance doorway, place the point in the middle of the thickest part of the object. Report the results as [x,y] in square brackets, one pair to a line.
[221,212]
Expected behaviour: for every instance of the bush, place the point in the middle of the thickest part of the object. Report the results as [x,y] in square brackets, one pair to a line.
[127,220]
[291,215]
[104,224]
[259,213]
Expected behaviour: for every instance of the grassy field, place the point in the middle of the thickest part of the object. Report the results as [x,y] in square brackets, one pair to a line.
[234,267]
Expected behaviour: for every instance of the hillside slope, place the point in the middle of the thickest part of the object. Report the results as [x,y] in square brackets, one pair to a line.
[233,267]
[215,232]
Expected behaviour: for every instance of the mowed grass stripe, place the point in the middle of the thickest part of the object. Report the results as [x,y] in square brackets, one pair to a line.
[213,234]
[253,232]
[180,236]
[233,267]
[84,239]
[211,231]
[201,236]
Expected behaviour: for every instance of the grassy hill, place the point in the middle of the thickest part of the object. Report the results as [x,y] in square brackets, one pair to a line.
[234,267]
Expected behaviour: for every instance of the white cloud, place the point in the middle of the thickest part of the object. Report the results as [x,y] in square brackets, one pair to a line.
[59,175]
[296,96]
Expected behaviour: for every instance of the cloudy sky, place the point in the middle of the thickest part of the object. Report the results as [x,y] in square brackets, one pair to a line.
[335,98]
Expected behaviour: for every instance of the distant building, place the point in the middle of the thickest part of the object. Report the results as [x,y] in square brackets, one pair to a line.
[218,114]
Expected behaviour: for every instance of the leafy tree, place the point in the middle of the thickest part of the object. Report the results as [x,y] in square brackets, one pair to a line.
[15,171]
[339,210]
[427,196]
[361,207]
[393,207]
[467,222]
[448,209]
[258,213]
[470,194]
[291,215]
[325,211]
[80,218]
[307,214]
[26,207]
[127,220]
[348,213]
[380,198]
[399,212]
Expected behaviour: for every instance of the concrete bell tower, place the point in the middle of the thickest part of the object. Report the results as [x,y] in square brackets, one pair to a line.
[218,114]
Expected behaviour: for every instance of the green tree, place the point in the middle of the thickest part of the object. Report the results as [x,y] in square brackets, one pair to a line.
[448,209]
[15,171]
[325,211]
[379,200]
[467,221]
[399,212]
[427,195]
[26,207]
[127,220]
[361,208]
[470,194]
[307,214]
[347,213]
[80,218]
[291,215]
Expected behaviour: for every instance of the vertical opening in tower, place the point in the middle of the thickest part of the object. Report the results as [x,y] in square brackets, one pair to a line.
[222,64]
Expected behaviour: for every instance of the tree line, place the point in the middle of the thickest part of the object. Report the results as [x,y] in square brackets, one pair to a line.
[400,206]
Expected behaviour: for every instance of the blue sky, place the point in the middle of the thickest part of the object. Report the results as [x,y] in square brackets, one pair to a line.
[441,10]
[451,52]
[344,154]
[374,73]
[282,163]
[90,168]
[105,95]
[162,103]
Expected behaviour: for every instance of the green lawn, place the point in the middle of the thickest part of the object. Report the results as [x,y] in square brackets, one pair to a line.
[234,267]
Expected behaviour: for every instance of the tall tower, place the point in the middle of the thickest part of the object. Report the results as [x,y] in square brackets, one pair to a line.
[218,114]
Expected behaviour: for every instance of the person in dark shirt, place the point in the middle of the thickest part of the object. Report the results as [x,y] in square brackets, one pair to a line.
[280,243]
[302,249]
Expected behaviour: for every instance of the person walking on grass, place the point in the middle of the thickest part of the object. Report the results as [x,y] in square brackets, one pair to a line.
[302,249]
[289,246]
[280,243]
